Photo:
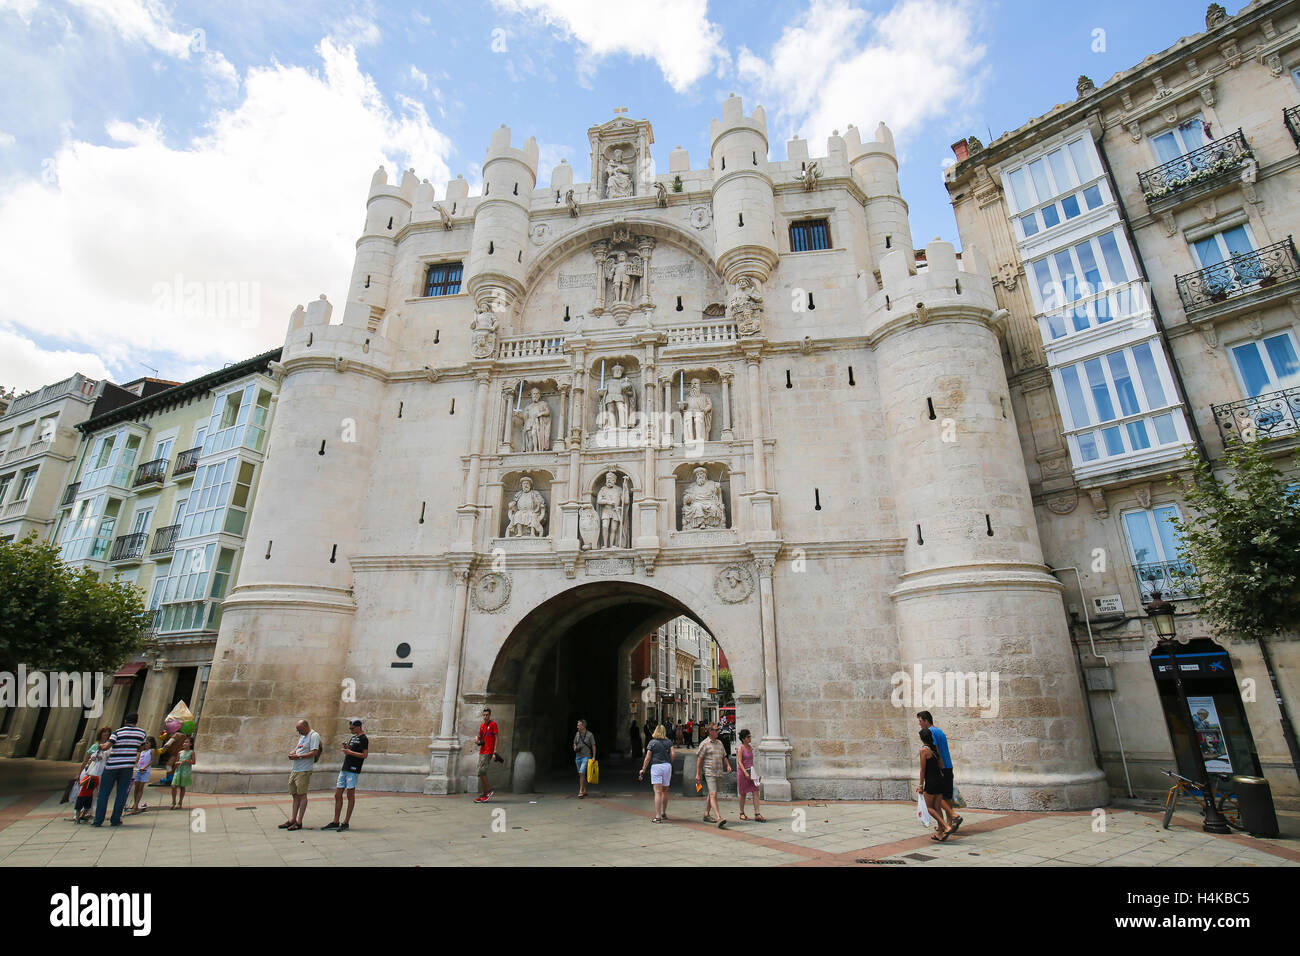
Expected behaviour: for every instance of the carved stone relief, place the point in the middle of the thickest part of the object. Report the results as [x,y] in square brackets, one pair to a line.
[491,592]
[734,584]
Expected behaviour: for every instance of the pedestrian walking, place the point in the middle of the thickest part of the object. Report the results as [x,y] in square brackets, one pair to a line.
[926,720]
[584,749]
[355,752]
[487,751]
[649,729]
[90,777]
[85,796]
[931,785]
[711,761]
[143,765]
[659,758]
[183,772]
[123,747]
[746,777]
[690,731]
[304,755]
[634,740]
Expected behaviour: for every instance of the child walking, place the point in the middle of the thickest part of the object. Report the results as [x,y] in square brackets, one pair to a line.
[183,772]
[143,764]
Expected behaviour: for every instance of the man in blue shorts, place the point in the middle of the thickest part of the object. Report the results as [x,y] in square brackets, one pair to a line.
[355,752]
[926,720]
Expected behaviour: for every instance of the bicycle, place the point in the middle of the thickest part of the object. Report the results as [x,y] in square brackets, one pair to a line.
[1226,803]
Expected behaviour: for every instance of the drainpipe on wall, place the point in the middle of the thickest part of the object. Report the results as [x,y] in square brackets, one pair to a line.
[1155,306]
[1119,739]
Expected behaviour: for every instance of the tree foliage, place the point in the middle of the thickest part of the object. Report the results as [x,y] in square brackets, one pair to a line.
[1244,539]
[54,617]
[726,687]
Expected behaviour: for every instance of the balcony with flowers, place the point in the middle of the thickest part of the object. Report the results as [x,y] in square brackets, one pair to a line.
[1195,175]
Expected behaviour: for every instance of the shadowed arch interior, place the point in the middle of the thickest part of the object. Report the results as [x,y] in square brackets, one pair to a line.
[567,660]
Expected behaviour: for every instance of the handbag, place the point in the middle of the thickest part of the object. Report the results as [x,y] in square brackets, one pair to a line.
[593,771]
[923,812]
[957,800]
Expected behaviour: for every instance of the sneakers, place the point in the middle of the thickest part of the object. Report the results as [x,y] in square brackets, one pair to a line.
[331,826]
[484,797]
[342,827]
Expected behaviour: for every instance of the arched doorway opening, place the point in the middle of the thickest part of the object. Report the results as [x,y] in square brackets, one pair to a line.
[573,656]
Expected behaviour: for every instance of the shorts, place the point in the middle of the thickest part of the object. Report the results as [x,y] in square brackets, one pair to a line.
[347,779]
[946,792]
[582,763]
[142,776]
[484,764]
[661,773]
[84,803]
[298,781]
[710,783]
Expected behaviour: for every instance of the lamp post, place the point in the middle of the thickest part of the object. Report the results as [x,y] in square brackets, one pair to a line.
[1161,613]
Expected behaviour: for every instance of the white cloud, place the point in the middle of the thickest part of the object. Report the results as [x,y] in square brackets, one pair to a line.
[7,140]
[838,65]
[148,22]
[24,365]
[418,78]
[267,202]
[676,34]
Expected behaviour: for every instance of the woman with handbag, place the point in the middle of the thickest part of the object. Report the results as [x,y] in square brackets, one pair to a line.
[747,777]
[932,785]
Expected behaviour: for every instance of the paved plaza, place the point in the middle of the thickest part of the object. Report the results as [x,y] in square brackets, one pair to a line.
[607,829]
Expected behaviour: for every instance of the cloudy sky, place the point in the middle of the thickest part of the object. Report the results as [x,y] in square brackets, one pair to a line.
[149,149]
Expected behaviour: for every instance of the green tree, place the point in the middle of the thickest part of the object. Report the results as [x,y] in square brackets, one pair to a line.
[1244,540]
[53,617]
[726,688]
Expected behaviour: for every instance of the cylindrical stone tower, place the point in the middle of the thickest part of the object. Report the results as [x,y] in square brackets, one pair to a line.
[982,632]
[744,207]
[388,210]
[494,273]
[875,167]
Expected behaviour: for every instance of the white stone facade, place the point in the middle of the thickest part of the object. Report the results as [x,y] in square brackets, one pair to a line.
[865,508]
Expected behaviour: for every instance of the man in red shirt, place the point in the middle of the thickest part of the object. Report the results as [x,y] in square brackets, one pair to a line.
[487,750]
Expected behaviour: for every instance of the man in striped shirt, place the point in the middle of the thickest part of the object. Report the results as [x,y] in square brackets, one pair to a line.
[124,747]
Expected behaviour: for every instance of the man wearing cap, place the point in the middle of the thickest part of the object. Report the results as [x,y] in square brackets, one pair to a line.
[487,752]
[355,752]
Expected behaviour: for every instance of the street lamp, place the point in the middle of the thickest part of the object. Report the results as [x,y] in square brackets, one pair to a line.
[1161,613]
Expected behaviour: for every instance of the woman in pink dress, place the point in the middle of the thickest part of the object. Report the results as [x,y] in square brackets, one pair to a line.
[746,779]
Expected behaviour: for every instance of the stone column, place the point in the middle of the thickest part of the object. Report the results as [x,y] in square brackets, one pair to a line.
[728,434]
[484,377]
[577,418]
[666,432]
[754,385]
[600,250]
[645,246]
[774,749]
[563,431]
[446,745]
[508,397]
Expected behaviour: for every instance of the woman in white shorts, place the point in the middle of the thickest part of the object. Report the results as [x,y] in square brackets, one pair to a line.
[659,758]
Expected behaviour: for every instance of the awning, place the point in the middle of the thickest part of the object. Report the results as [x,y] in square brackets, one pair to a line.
[130,672]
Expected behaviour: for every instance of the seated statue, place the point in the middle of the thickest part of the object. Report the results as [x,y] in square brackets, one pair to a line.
[527,512]
[702,505]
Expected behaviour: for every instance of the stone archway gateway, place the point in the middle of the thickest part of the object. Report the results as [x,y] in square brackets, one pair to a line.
[809,452]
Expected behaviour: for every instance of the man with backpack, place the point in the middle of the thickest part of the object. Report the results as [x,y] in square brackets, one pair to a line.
[304,756]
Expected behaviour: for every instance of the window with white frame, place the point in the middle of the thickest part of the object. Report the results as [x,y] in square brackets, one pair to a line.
[79,532]
[1071,286]
[1152,537]
[104,536]
[25,484]
[140,523]
[1187,137]
[1222,246]
[1267,364]
[189,573]
[1056,187]
[103,452]
[49,426]
[208,497]
[1119,403]
[239,417]
[163,448]
[5,482]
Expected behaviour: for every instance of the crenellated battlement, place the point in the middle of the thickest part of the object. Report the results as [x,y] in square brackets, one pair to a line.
[946,286]
[499,149]
[734,119]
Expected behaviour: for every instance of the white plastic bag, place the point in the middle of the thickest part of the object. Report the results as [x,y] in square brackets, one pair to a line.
[923,812]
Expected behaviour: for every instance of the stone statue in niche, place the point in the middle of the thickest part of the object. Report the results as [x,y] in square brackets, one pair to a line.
[618,177]
[617,401]
[613,507]
[537,423]
[527,512]
[745,306]
[702,506]
[622,273]
[697,414]
[483,337]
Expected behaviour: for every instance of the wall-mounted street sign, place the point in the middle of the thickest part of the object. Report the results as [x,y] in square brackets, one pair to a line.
[1108,604]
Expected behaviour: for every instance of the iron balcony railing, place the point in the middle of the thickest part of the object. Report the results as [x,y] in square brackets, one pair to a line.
[1271,415]
[128,547]
[70,494]
[1291,117]
[164,539]
[1200,165]
[1242,274]
[187,462]
[151,471]
[1175,580]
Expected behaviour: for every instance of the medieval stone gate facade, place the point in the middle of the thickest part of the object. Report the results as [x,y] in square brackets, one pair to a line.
[730,392]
